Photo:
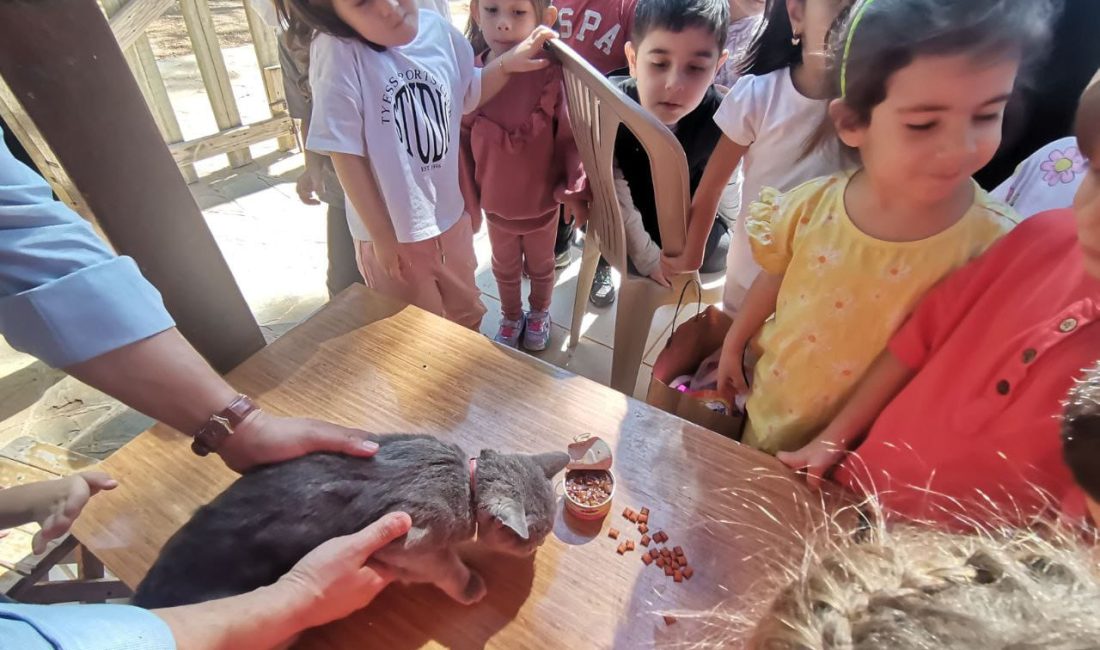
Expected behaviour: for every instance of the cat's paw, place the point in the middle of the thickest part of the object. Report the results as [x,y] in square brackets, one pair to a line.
[474,590]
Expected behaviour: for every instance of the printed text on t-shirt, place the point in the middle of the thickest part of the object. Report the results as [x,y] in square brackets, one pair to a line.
[590,24]
[419,107]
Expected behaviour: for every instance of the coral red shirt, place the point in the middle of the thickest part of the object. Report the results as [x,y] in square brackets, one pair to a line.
[995,347]
[598,30]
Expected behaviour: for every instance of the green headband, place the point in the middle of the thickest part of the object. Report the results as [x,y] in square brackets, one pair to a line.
[848,45]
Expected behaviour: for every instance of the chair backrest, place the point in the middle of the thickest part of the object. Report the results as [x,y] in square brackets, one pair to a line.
[596,109]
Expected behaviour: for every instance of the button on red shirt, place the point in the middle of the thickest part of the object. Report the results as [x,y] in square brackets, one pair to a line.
[995,347]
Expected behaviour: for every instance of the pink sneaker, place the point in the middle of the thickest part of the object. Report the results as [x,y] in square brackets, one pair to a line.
[509,332]
[538,331]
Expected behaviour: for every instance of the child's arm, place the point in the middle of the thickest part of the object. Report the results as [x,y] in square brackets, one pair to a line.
[640,247]
[573,192]
[519,59]
[759,305]
[704,206]
[883,381]
[361,186]
[54,504]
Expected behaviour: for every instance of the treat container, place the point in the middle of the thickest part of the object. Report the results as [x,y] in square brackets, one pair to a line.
[586,512]
[589,453]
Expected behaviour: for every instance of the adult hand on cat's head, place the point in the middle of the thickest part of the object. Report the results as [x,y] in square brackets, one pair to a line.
[264,438]
[337,578]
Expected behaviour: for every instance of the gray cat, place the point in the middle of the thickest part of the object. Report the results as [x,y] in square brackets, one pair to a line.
[271,517]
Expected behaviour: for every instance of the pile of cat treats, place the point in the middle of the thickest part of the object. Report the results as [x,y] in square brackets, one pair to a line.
[672,560]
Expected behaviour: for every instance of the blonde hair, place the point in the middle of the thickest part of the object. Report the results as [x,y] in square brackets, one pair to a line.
[922,588]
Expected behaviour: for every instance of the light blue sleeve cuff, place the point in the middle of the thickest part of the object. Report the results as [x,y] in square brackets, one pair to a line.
[84,314]
[82,627]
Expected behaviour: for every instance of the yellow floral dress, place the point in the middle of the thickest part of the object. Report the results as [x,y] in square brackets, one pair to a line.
[843,295]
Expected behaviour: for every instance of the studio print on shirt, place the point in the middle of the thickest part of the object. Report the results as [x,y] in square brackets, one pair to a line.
[419,107]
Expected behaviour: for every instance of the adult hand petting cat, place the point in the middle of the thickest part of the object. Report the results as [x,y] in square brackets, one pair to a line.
[264,438]
[337,578]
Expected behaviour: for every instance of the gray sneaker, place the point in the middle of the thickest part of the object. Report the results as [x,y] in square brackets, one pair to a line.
[509,332]
[537,334]
[603,290]
[564,259]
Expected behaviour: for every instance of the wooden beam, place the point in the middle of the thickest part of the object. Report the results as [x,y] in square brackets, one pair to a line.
[143,65]
[231,140]
[129,22]
[69,591]
[63,64]
[267,56]
[41,155]
[208,55]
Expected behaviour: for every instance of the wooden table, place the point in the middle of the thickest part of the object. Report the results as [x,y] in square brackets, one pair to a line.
[364,360]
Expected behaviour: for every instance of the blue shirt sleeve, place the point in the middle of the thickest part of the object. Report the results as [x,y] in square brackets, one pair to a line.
[82,627]
[65,297]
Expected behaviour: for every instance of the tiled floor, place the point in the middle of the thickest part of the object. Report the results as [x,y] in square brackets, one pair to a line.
[275,247]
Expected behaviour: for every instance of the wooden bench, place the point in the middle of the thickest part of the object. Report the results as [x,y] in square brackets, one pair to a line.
[24,576]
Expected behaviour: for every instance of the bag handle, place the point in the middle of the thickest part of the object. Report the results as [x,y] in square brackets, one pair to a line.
[692,282]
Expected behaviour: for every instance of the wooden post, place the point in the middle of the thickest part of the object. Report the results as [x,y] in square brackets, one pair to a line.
[267,56]
[128,22]
[63,64]
[41,155]
[208,54]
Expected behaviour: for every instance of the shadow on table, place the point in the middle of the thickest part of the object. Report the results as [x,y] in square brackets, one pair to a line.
[741,517]
[421,614]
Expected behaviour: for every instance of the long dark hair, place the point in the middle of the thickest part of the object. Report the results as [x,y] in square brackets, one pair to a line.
[308,17]
[771,48]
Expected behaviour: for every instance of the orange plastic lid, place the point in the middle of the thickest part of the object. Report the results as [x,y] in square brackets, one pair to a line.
[589,452]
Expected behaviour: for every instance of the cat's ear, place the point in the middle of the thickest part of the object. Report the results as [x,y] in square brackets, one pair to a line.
[511,514]
[551,462]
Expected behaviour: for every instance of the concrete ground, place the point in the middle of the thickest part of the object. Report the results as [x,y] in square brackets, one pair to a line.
[275,246]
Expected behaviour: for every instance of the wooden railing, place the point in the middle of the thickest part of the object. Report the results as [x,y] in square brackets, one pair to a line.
[128,20]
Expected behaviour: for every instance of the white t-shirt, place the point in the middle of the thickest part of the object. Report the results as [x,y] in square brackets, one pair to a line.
[1047,180]
[767,114]
[401,108]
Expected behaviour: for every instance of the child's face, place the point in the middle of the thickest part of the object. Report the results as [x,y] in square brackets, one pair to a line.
[389,23]
[504,23]
[674,70]
[743,8]
[939,124]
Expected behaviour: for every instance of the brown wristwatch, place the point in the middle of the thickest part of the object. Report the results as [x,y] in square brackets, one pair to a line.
[212,435]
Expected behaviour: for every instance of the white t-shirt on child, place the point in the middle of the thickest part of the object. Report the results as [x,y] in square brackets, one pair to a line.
[401,108]
[767,114]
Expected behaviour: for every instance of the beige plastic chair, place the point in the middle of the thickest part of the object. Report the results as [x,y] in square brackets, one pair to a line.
[596,109]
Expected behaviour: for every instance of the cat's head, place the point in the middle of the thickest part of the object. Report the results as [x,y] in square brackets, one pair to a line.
[515,499]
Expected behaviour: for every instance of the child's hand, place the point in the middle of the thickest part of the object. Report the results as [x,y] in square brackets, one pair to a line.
[389,258]
[658,276]
[1086,207]
[576,212]
[524,57]
[309,186]
[61,501]
[686,262]
[731,373]
[815,459]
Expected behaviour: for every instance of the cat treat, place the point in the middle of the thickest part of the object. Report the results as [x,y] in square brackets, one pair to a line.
[643,529]
[688,572]
[645,540]
[670,620]
[646,559]
[613,533]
